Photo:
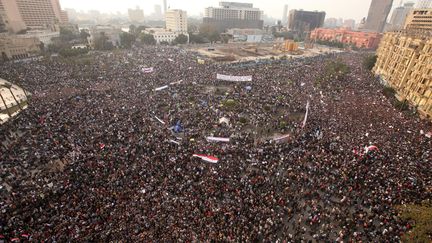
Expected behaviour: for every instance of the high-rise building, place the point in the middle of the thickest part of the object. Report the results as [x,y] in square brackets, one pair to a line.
[330,23]
[377,16]
[34,14]
[285,15]
[176,20]
[234,15]
[424,4]
[349,23]
[399,16]
[157,12]
[420,20]
[404,64]
[165,6]
[305,21]
[136,15]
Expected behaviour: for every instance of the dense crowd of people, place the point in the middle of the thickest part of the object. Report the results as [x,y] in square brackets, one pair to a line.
[93,157]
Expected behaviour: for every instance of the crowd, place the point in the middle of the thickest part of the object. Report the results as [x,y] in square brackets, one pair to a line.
[91,158]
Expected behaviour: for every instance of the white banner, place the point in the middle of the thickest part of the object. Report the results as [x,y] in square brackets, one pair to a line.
[161,88]
[148,70]
[216,139]
[306,115]
[234,78]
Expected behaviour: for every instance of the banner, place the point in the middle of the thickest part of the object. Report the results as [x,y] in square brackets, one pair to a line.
[147,70]
[234,78]
[217,139]
[306,115]
[206,158]
[282,138]
[157,118]
[161,88]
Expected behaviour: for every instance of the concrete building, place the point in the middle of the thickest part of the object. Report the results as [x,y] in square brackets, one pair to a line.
[424,4]
[399,16]
[13,47]
[285,15]
[349,23]
[364,40]
[157,15]
[420,20]
[331,23]
[377,16]
[176,20]
[163,35]
[34,14]
[302,21]
[136,15]
[234,15]
[165,6]
[405,63]
[112,33]
[44,36]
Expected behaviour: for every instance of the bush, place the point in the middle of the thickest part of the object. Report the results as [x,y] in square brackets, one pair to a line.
[389,92]
[243,120]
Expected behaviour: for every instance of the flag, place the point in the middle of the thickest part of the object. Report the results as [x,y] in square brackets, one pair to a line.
[207,158]
[102,146]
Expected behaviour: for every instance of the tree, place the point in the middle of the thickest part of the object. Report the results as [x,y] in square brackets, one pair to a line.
[164,43]
[148,39]
[133,30]
[102,42]
[369,62]
[210,32]
[198,39]
[127,40]
[181,39]
[66,34]
[84,35]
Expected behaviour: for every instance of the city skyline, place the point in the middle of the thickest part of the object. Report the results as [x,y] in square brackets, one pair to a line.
[347,9]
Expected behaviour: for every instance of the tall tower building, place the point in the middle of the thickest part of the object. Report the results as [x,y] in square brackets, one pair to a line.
[165,6]
[35,14]
[377,16]
[285,15]
[176,20]
[399,16]
[136,15]
[157,12]
[424,4]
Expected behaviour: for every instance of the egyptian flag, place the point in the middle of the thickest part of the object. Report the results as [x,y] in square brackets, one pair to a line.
[207,158]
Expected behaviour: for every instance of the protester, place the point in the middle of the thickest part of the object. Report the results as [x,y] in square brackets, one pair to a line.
[93,157]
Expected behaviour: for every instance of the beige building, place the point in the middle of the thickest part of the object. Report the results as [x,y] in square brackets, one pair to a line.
[34,14]
[14,47]
[136,15]
[377,16]
[419,19]
[405,63]
[176,20]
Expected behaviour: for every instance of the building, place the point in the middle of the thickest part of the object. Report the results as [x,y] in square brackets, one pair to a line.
[349,23]
[399,16]
[35,14]
[364,40]
[285,15]
[250,35]
[234,15]
[377,16]
[112,33]
[136,15]
[165,6]
[176,21]
[44,36]
[424,4]
[157,15]
[13,47]
[163,35]
[302,21]
[405,63]
[419,19]
[331,23]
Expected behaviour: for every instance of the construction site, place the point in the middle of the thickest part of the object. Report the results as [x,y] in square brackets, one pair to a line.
[235,52]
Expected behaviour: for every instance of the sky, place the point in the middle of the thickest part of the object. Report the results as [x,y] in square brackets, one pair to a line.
[346,9]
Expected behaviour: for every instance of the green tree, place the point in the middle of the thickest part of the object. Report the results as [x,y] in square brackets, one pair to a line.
[181,39]
[84,36]
[133,30]
[369,62]
[127,40]
[67,34]
[210,32]
[148,39]
[102,43]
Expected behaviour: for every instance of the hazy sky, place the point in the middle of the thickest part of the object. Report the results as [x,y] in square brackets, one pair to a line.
[355,9]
